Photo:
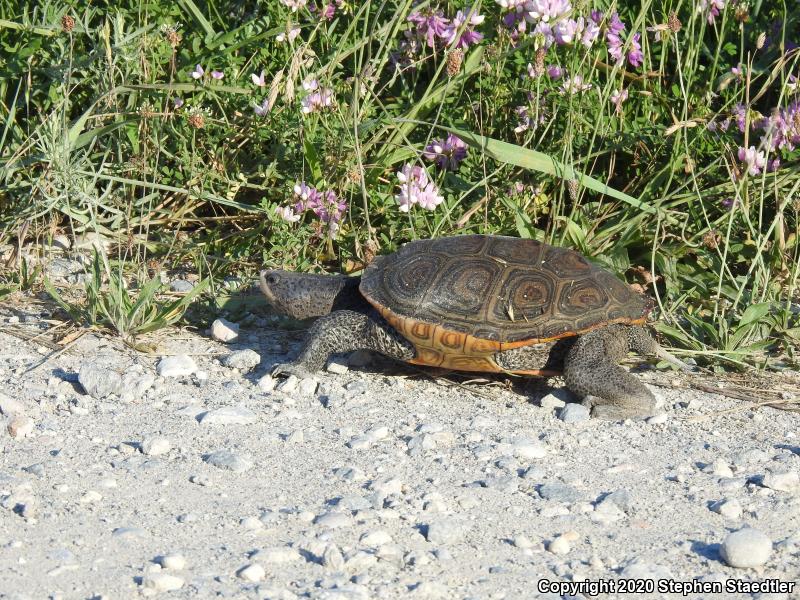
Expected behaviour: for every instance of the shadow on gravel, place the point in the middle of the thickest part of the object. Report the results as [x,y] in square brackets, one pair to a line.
[709,551]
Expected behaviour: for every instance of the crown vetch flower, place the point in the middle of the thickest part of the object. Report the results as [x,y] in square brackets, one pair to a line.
[431,25]
[416,188]
[753,159]
[198,72]
[447,153]
[468,36]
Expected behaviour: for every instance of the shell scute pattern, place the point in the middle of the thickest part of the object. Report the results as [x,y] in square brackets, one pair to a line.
[472,296]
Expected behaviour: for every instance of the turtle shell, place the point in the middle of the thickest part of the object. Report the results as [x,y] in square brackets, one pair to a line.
[461,299]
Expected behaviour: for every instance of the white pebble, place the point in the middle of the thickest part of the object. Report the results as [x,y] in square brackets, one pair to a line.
[337,366]
[251,523]
[782,481]
[91,496]
[252,573]
[162,582]
[307,386]
[267,383]
[229,415]
[224,331]
[173,562]
[277,555]
[560,545]
[156,446]
[746,548]
[730,509]
[375,538]
[288,385]
[176,366]
[20,427]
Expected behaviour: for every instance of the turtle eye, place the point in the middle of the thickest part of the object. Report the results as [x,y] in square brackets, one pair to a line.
[272,278]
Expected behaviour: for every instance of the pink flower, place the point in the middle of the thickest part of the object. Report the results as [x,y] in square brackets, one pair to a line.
[523,119]
[318,100]
[258,79]
[217,74]
[263,108]
[554,72]
[714,8]
[545,10]
[178,102]
[295,4]
[617,98]
[574,85]
[565,31]
[753,159]
[431,25]
[292,31]
[198,72]
[416,188]
[468,36]
[447,153]
[635,56]
[287,214]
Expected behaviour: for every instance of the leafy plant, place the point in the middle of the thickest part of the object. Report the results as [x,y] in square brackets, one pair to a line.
[115,307]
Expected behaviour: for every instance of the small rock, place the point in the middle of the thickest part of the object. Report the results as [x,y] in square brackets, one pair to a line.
[228,415]
[375,538]
[550,401]
[162,582]
[524,448]
[243,360]
[559,492]
[225,459]
[252,573]
[173,562]
[99,381]
[155,446]
[337,366]
[134,385]
[356,387]
[659,419]
[560,545]
[224,331]
[10,407]
[332,558]
[730,509]
[746,548]
[523,542]
[20,427]
[181,285]
[719,468]
[277,555]
[251,523]
[782,481]
[288,385]
[307,386]
[267,383]
[296,437]
[333,520]
[176,366]
[574,413]
[447,530]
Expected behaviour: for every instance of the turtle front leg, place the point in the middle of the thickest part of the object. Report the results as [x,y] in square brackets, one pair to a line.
[345,331]
[591,369]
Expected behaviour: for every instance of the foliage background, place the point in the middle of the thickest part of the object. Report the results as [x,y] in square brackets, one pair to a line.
[106,131]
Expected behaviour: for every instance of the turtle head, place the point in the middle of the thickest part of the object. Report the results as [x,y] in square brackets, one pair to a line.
[302,295]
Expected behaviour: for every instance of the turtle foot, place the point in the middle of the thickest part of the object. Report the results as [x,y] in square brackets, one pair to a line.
[602,409]
[287,369]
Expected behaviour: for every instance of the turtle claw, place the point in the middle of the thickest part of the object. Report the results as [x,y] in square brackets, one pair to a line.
[288,369]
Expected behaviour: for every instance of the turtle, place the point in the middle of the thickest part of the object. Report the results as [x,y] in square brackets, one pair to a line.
[484,303]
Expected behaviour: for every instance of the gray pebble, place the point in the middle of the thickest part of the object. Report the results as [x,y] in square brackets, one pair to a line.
[181,285]
[559,492]
[98,380]
[574,413]
[638,568]
[243,360]
[225,459]
[447,530]
[356,387]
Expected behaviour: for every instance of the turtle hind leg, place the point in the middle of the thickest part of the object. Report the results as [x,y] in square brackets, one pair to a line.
[345,331]
[591,369]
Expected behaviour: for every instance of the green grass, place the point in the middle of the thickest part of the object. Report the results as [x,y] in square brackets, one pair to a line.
[92,141]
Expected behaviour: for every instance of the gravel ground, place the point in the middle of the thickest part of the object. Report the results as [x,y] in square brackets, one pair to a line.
[195,477]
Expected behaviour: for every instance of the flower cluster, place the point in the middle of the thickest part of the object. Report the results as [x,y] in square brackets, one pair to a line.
[327,207]
[199,72]
[753,159]
[317,99]
[416,188]
[433,27]
[328,10]
[614,31]
[447,152]
[295,4]
[712,7]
